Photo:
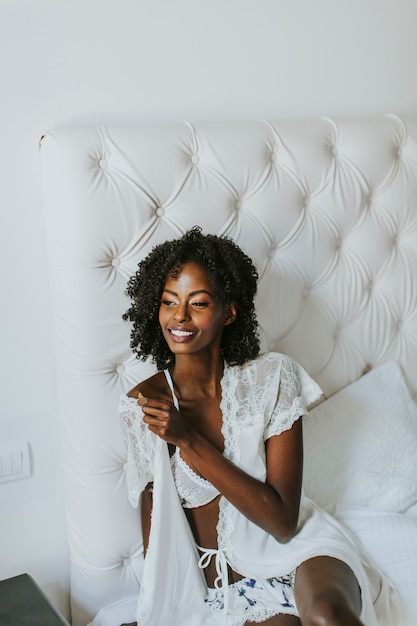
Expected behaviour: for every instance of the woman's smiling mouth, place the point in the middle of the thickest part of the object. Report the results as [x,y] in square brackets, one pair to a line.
[179,334]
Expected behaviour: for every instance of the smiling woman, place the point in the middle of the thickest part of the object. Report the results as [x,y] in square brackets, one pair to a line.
[231,280]
[190,313]
[231,421]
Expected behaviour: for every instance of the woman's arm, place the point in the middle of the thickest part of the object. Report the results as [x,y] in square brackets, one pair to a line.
[273,505]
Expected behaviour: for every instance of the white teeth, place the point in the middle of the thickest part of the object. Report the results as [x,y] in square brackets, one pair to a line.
[181,333]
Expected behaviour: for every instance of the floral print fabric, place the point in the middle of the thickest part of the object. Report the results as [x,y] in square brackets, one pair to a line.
[254,599]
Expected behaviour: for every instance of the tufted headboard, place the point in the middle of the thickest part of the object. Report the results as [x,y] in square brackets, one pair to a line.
[326,208]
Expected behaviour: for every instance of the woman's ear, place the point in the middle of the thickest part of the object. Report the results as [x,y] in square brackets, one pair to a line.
[231,313]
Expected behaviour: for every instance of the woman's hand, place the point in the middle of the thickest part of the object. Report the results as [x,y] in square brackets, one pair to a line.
[164,420]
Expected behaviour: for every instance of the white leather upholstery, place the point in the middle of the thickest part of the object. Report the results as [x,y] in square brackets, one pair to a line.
[326,208]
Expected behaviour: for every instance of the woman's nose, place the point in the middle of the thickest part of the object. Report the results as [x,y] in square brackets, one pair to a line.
[181,313]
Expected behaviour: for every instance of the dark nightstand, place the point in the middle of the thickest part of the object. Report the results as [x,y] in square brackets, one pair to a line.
[22,603]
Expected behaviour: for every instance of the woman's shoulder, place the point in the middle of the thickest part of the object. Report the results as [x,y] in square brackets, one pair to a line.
[288,369]
[269,369]
[153,386]
[262,372]
[267,361]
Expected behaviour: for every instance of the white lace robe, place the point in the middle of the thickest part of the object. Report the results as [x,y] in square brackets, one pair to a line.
[259,399]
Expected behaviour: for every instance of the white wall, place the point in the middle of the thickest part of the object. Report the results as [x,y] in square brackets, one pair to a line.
[66,60]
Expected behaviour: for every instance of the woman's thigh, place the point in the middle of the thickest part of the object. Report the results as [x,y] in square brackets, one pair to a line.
[326,583]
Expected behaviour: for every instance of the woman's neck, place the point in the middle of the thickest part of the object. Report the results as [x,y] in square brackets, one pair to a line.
[196,376]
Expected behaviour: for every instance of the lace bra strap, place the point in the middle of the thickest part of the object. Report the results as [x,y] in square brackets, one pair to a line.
[171,386]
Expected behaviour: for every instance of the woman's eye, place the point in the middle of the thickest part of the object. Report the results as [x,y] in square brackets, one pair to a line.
[200,305]
[168,302]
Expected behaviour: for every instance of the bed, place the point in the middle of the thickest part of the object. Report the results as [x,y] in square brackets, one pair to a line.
[327,209]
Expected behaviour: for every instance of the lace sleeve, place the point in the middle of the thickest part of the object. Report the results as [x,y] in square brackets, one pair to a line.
[140,448]
[296,391]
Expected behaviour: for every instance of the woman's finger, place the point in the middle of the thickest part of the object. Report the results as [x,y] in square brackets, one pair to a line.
[155,420]
[163,405]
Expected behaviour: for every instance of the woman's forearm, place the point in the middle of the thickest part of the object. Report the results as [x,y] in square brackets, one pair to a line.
[259,501]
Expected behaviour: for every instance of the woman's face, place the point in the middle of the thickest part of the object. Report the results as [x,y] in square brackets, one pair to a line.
[191,318]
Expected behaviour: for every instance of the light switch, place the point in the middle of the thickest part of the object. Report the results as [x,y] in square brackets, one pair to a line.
[14,461]
[17,462]
[6,463]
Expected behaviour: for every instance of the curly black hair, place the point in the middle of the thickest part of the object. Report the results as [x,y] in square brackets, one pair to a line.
[232,276]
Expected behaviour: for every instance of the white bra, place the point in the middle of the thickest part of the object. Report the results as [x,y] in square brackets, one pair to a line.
[194,490]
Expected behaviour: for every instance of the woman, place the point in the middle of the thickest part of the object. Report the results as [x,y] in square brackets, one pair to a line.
[232,422]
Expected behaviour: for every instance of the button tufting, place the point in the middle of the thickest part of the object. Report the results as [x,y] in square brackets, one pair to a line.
[399,325]
[334,151]
[338,243]
[160,211]
[124,467]
[115,262]
[238,204]
[336,331]
[120,368]
[195,159]
[306,292]
[271,252]
[306,201]
[273,156]
[400,152]
[127,561]
[103,164]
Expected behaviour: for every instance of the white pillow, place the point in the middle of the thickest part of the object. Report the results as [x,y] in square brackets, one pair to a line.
[361,445]
[391,541]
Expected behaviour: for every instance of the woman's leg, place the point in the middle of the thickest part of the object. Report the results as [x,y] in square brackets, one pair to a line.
[327,593]
[278,620]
